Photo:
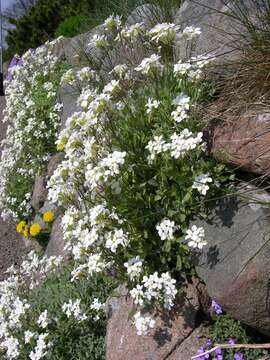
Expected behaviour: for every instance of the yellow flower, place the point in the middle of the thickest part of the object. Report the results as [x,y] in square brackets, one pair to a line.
[35,229]
[26,231]
[48,216]
[60,146]
[20,226]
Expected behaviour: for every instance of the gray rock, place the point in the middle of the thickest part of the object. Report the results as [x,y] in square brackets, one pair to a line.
[68,96]
[189,347]
[220,33]
[235,264]
[39,193]
[56,244]
[79,53]
[148,14]
[55,160]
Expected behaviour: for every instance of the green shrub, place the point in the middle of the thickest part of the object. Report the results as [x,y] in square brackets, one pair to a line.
[74,25]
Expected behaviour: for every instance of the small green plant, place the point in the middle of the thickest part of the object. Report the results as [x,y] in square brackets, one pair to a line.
[60,318]
[226,329]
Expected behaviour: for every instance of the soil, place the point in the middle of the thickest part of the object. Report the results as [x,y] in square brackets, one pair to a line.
[12,247]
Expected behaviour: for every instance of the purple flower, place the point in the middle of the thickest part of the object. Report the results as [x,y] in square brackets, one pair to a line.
[216,307]
[238,357]
[231,341]
[218,351]
[209,343]
[14,62]
[203,357]
[219,357]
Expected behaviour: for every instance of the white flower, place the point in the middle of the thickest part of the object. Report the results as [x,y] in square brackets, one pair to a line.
[137,294]
[166,229]
[112,88]
[191,32]
[116,238]
[72,308]
[28,335]
[99,41]
[41,348]
[134,267]
[131,32]
[195,235]
[97,306]
[11,345]
[163,33]
[181,68]
[149,65]
[113,23]
[121,71]
[151,104]
[87,74]
[184,142]
[156,146]
[143,323]
[43,320]
[182,102]
[200,183]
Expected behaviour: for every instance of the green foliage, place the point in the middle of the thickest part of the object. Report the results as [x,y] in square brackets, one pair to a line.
[71,339]
[226,328]
[39,24]
[73,25]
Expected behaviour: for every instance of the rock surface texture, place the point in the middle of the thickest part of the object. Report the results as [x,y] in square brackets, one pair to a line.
[235,265]
[220,33]
[244,142]
[56,244]
[170,337]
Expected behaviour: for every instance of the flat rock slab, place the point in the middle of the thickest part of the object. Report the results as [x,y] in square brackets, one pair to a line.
[235,265]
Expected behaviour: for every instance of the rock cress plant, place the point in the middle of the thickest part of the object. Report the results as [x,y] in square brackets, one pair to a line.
[135,170]
[33,117]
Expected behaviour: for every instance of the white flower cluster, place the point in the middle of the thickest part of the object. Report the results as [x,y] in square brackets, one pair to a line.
[41,348]
[97,307]
[166,229]
[151,104]
[201,183]
[164,33]
[143,323]
[134,267]
[72,308]
[150,65]
[29,126]
[180,144]
[155,288]
[132,32]
[196,237]
[43,320]
[193,68]
[182,106]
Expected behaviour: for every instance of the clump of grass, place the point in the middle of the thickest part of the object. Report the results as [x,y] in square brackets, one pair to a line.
[245,87]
